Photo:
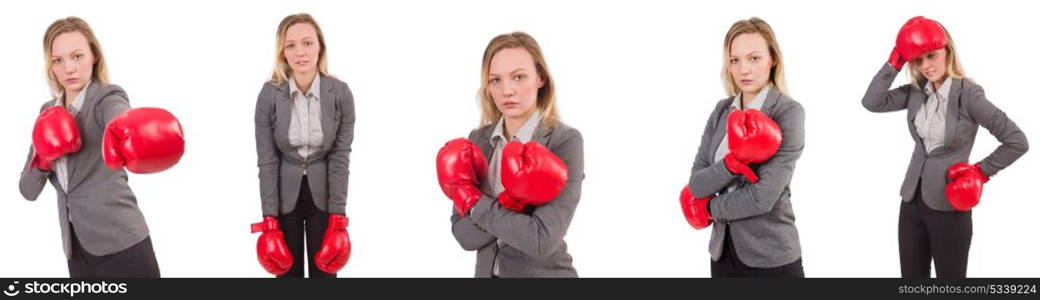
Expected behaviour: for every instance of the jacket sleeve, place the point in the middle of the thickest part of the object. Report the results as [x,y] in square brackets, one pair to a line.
[267,154]
[881,99]
[110,107]
[541,232]
[470,236]
[708,177]
[32,180]
[753,199]
[339,156]
[1013,142]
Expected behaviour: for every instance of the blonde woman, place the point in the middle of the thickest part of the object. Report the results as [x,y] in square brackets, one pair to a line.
[516,180]
[741,175]
[82,140]
[304,128]
[944,112]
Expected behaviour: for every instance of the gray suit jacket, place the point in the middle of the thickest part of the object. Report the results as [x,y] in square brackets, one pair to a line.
[759,216]
[968,108]
[99,202]
[533,243]
[281,167]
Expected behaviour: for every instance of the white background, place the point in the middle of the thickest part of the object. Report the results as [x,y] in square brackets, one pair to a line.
[637,78]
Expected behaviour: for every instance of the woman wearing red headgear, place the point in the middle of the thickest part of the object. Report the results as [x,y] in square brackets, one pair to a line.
[944,111]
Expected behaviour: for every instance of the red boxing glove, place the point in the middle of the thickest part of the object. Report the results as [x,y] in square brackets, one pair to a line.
[271,250]
[461,167]
[531,175]
[145,140]
[917,37]
[335,246]
[753,138]
[55,134]
[896,60]
[695,210]
[965,187]
[39,163]
[510,203]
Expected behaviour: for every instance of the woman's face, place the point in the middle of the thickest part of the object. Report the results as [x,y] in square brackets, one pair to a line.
[932,65]
[513,82]
[750,62]
[301,48]
[72,62]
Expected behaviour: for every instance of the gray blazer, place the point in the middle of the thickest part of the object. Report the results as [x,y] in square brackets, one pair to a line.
[968,108]
[533,244]
[759,216]
[99,203]
[281,167]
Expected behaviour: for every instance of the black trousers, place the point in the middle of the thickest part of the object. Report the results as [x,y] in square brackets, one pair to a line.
[926,235]
[138,261]
[305,225]
[729,265]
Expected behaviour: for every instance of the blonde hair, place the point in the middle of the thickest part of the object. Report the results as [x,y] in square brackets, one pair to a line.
[282,71]
[953,63]
[66,25]
[753,25]
[489,113]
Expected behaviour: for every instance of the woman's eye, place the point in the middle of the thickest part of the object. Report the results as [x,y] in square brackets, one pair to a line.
[56,61]
[77,56]
[493,81]
[290,46]
[519,77]
[732,60]
[308,43]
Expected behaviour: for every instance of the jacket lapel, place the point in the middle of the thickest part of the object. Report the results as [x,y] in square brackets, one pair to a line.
[89,101]
[952,113]
[770,104]
[913,105]
[721,128]
[328,113]
[283,115]
[483,141]
[541,134]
